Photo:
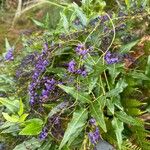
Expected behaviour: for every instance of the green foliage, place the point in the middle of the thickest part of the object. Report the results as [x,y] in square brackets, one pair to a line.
[32,127]
[75,127]
[97,113]
[29,144]
[118,127]
[10,104]
[126,48]
[77,95]
[45,97]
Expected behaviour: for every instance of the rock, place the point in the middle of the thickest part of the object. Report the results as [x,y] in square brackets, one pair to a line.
[103,145]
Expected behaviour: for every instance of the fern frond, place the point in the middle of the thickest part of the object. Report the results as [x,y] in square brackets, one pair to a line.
[140,137]
[128,145]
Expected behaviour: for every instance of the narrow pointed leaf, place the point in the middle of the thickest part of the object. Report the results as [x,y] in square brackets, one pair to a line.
[12,105]
[126,48]
[76,124]
[80,96]
[20,112]
[97,113]
[118,127]
[122,116]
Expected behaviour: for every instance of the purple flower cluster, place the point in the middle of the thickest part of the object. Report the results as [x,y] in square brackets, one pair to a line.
[40,67]
[95,20]
[72,69]
[105,18]
[102,19]
[43,134]
[54,124]
[94,136]
[71,66]
[82,71]
[32,93]
[9,55]
[111,58]
[121,27]
[81,50]
[49,87]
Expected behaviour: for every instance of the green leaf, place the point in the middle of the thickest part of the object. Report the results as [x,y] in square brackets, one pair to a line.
[11,129]
[126,48]
[47,21]
[80,14]
[86,2]
[7,45]
[80,96]
[38,23]
[10,118]
[134,111]
[31,144]
[128,3]
[98,70]
[133,103]
[120,86]
[46,146]
[20,112]
[92,81]
[34,120]
[118,127]
[57,70]
[12,105]
[58,108]
[74,127]
[122,116]
[23,117]
[115,70]
[6,125]
[147,71]
[117,102]
[33,127]
[97,113]
[139,75]
[65,22]
[110,105]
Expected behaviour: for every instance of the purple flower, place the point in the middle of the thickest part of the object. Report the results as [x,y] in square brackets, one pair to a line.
[77,21]
[32,93]
[111,58]
[40,67]
[50,84]
[56,120]
[49,87]
[45,94]
[80,50]
[105,18]
[9,55]
[82,71]
[95,20]
[71,66]
[92,121]
[32,101]
[94,136]
[45,46]
[43,134]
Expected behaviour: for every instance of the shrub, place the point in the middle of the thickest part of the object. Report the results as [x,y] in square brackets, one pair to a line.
[84,82]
